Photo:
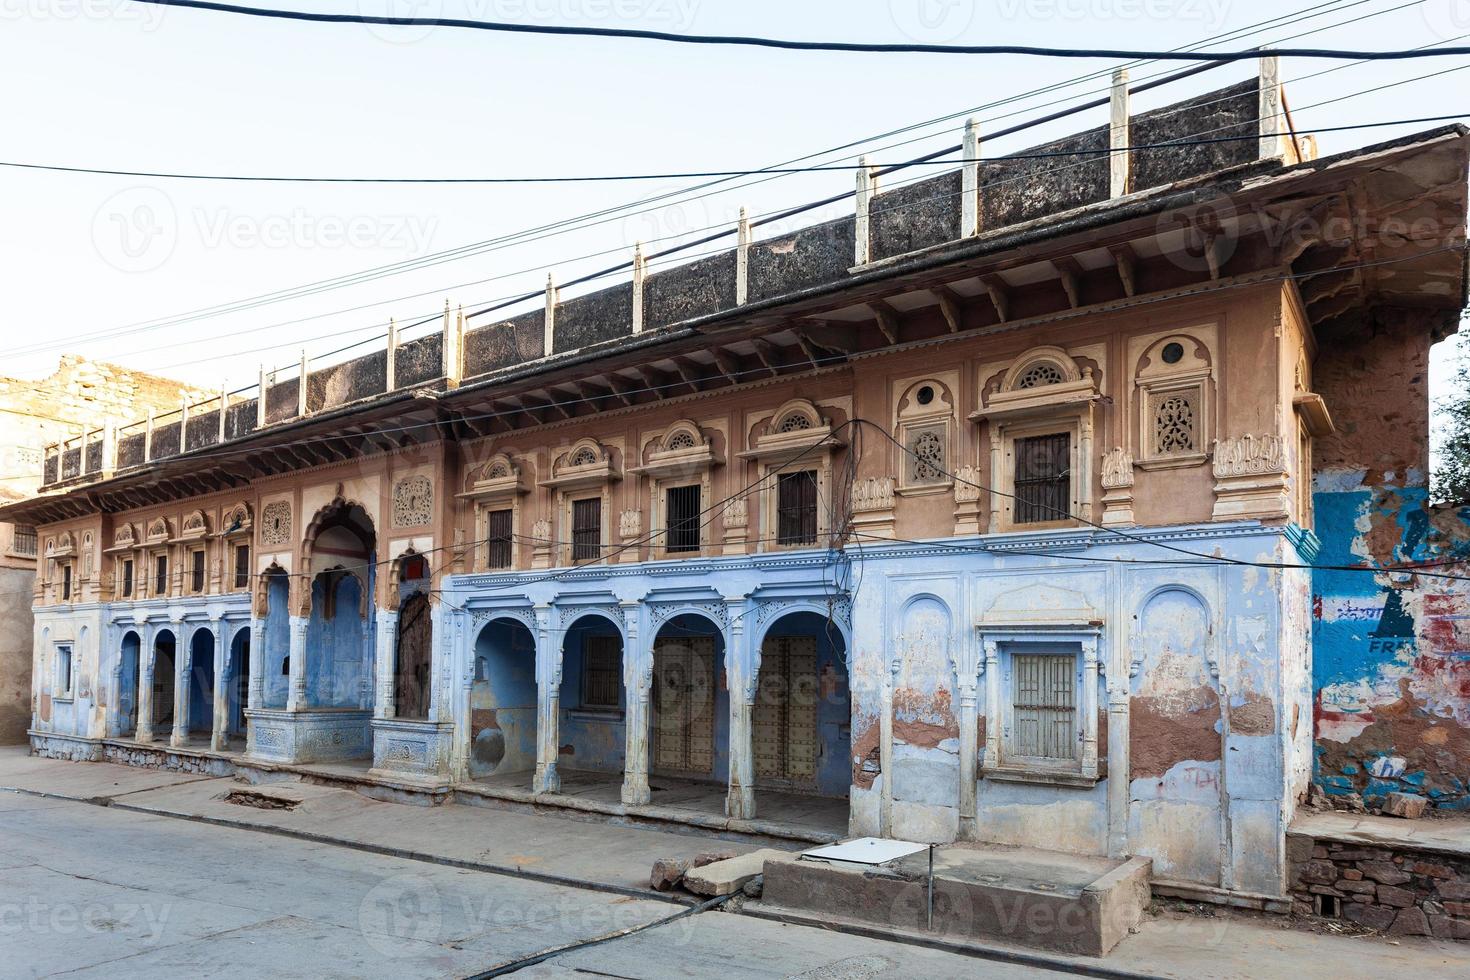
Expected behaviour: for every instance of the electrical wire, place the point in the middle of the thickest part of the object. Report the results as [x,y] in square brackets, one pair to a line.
[571,224]
[795,45]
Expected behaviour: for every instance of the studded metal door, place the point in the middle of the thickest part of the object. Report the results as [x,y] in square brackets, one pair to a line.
[784,722]
[684,705]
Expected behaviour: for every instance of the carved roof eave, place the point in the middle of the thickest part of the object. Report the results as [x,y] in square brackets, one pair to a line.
[695,459]
[1066,396]
[578,477]
[68,552]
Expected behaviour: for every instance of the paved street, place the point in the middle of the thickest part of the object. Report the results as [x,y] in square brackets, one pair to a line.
[91,891]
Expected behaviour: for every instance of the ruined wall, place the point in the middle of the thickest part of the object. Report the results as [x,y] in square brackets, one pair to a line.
[1391,652]
[16,623]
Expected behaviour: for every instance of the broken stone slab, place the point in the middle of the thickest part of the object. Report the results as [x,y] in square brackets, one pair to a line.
[669,873]
[729,876]
[1410,806]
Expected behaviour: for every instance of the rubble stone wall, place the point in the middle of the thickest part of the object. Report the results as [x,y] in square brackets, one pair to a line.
[1401,892]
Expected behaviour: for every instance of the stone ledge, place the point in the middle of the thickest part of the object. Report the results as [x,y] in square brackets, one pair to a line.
[1448,837]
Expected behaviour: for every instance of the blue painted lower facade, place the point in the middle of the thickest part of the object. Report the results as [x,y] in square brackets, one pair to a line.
[1182,730]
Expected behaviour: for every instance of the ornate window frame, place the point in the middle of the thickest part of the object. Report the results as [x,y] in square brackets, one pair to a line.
[412,501]
[1019,408]
[913,420]
[786,448]
[1036,619]
[586,469]
[498,485]
[681,456]
[1155,382]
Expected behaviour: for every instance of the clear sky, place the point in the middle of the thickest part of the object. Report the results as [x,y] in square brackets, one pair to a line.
[115,84]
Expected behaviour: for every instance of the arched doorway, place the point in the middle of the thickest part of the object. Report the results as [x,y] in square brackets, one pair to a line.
[592,702]
[276,668]
[163,683]
[689,702]
[413,643]
[201,683]
[129,663]
[340,546]
[237,684]
[801,721]
[503,701]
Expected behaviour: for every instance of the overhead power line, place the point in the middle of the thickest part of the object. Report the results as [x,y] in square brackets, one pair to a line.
[819,168]
[859,47]
[703,190]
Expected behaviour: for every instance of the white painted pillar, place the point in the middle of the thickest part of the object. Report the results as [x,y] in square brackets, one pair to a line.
[885,746]
[260,400]
[390,372]
[867,186]
[637,684]
[145,686]
[743,670]
[970,180]
[296,696]
[548,337]
[385,703]
[967,686]
[221,719]
[1119,135]
[301,385]
[1088,704]
[1271,113]
[147,440]
[742,260]
[183,668]
[255,695]
[548,702]
[640,272]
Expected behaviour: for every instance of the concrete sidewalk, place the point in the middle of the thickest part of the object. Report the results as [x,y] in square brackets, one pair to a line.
[556,848]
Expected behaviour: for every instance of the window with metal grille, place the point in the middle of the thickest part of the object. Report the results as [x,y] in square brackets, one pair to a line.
[127,578]
[587,529]
[602,668]
[796,508]
[681,514]
[63,670]
[1043,478]
[242,566]
[25,540]
[65,582]
[160,575]
[498,539]
[196,571]
[1044,712]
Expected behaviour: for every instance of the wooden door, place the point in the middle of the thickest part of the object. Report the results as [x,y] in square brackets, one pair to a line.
[684,705]
[784,734]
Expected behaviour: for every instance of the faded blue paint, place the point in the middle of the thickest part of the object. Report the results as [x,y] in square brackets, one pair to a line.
[591,739]
[277,638]
[201,681]
[335,644]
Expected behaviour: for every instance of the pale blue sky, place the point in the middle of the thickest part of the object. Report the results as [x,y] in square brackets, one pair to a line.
[114,84]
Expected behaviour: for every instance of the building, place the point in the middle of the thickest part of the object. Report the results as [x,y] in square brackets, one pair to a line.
[80,395]
[985,512]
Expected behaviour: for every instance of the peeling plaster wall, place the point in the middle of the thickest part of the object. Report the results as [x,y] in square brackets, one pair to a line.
[1391,653]
[1196,689]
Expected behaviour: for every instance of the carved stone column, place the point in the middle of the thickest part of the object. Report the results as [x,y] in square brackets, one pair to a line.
[256,692]
[885,743]
[385,704]
[145,686]
[220,717]
[872,508]
[965,660]
[1117,483]
[967,506]
[183,670]
[296,696]
[638,684]
[548,702]
[735,520]
[744,682]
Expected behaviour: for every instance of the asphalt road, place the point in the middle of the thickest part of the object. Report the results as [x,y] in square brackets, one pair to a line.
[91,891]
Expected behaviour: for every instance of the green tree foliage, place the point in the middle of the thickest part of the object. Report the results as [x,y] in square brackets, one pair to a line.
[1452,465]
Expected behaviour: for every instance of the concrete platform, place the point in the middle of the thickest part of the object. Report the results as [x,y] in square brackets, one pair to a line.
[1045,900]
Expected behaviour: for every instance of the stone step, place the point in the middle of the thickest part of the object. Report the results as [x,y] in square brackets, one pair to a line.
[1046,900]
